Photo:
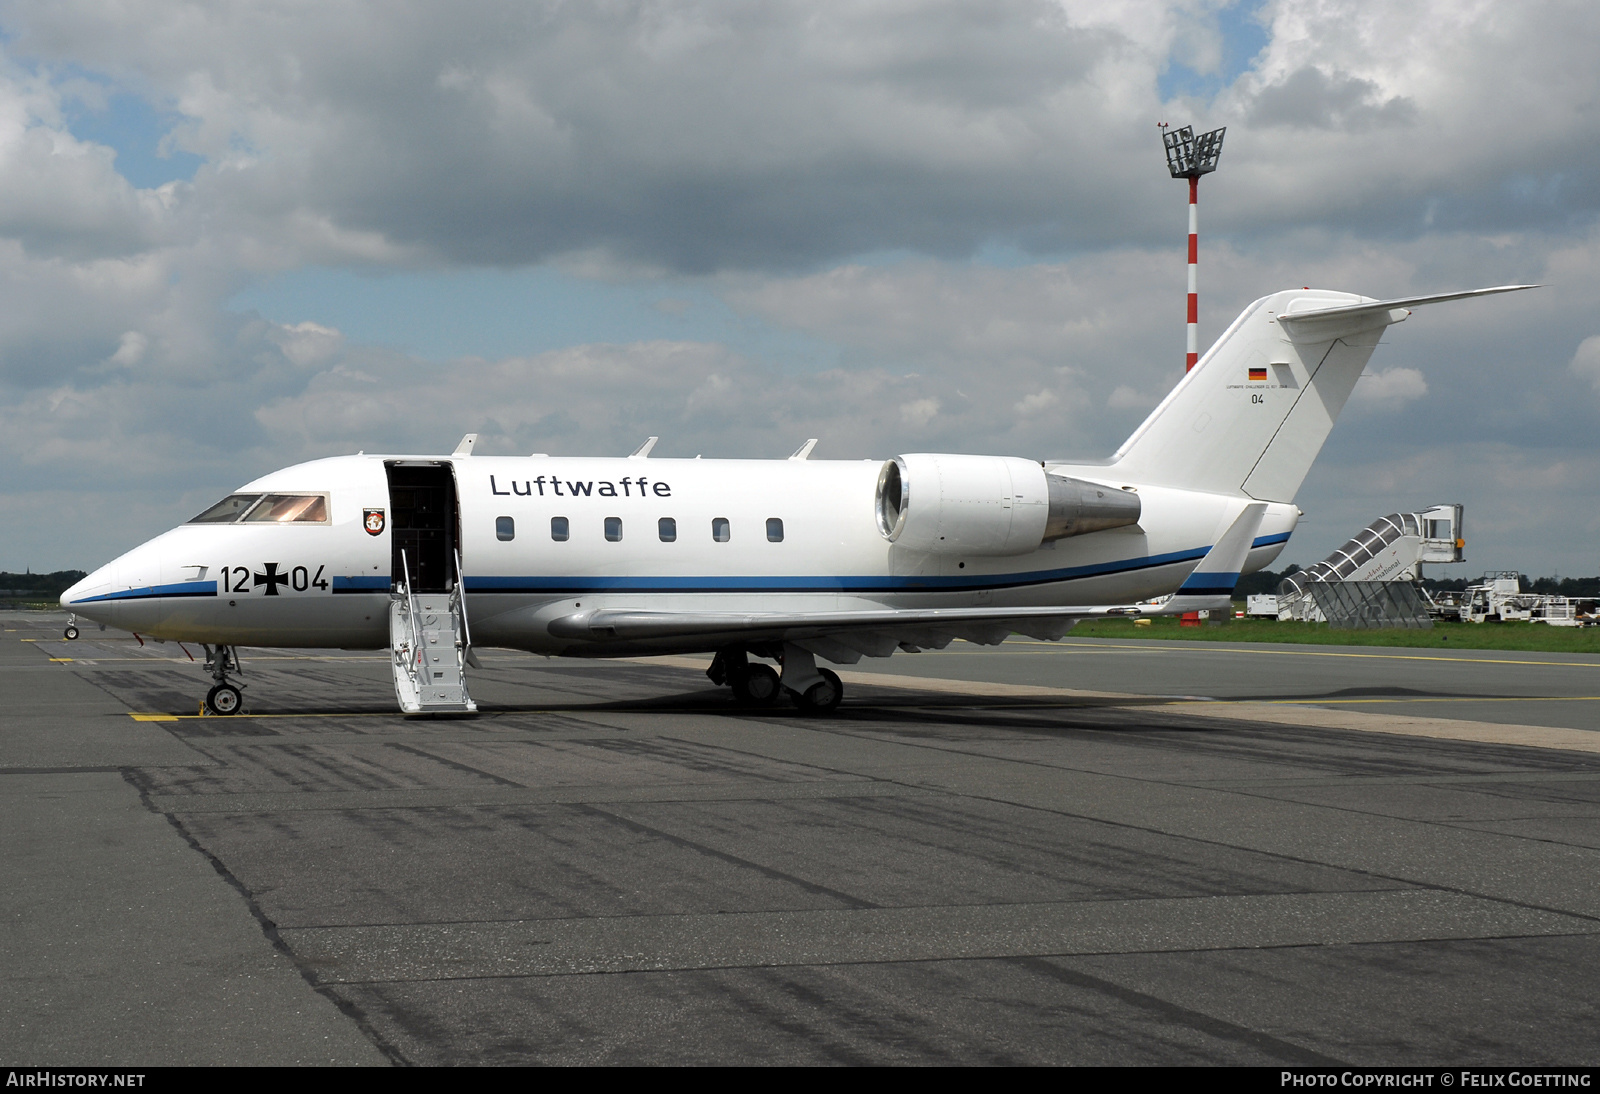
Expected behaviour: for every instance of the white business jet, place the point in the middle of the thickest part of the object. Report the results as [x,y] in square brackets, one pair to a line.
[783,560]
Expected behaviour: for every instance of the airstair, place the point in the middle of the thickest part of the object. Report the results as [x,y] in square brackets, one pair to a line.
[431,646]
[1370,580]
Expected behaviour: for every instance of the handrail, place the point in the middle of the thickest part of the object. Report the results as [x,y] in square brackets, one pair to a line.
[411,613]
[461,599]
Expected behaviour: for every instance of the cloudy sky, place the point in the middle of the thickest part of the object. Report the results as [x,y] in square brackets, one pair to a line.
[237,235]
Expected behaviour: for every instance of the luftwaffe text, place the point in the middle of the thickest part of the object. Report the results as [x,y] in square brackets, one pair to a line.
[583,488]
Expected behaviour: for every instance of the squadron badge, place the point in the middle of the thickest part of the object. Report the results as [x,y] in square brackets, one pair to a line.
[373,519]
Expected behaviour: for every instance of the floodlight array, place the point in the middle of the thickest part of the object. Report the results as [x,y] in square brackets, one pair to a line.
[1188,156]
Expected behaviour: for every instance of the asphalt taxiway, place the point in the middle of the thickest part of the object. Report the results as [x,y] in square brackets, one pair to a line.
[1079,852]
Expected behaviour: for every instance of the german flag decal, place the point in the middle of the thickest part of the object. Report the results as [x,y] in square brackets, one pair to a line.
[1258,372]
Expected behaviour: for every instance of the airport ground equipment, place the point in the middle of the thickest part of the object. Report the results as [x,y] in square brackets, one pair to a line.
[1499,598]
[1389,551]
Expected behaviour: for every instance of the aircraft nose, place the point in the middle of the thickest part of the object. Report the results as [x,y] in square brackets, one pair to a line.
[94,585]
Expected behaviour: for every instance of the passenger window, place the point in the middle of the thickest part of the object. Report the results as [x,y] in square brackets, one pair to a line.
[668,528]
[558,529]
[289,509]
[719,529]
[774,530]
[505,528]
[613,529]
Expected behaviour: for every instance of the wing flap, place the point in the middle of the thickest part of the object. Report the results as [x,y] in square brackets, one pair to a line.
[926,627]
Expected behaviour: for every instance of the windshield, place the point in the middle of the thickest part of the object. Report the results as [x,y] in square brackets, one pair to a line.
[289,508]
[228,510]
[267,509]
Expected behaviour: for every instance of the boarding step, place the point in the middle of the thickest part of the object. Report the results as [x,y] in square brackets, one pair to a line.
[428,638]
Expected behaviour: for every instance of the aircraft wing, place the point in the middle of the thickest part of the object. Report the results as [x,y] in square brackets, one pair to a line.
[845,636]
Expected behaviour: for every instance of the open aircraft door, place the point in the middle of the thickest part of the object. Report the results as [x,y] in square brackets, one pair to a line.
[429,638]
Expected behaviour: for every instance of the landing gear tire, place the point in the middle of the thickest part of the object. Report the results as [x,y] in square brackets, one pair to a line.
[224,699]
[756,686]
[823,698]
[71,633]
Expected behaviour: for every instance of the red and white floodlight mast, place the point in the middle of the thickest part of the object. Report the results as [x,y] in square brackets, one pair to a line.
[1189,157]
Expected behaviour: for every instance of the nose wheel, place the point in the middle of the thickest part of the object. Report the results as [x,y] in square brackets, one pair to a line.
[225,697]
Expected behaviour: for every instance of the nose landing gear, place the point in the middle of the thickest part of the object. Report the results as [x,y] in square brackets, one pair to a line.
[71,633]
[225,697]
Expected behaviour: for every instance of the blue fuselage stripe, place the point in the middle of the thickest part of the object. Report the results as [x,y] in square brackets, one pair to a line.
[364,584]
[754,584]
[151,592]
[819,583]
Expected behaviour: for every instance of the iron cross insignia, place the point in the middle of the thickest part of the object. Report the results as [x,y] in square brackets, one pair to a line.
[272,578]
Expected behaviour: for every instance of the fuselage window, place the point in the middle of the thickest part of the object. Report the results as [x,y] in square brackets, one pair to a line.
[668,527]
[228,510]
[774,529]
[289,509]
[559,530]
[505,528]
[719,529]
[613,529]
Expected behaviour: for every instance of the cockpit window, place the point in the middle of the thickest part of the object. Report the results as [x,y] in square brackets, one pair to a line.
[267,509]
[228,510]
[289,509]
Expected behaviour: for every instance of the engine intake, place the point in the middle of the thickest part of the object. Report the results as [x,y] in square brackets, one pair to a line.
[990,505]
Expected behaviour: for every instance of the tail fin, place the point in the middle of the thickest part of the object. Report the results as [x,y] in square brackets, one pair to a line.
[1252,415]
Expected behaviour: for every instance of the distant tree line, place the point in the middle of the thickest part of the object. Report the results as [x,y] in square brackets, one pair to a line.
[1575,587]
[1262,581]
[39,586]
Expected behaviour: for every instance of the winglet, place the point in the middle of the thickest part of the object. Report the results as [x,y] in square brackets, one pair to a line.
[1211,583]
[643,451]
[465,447]
[804,451]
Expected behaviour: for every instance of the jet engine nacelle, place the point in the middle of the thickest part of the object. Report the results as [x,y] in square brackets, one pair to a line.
[990,505]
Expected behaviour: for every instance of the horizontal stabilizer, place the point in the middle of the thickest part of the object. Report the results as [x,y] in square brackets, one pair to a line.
[1375,306]
[1251,417]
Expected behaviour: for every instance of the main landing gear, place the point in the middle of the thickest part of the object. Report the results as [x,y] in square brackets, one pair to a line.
[225,697]
[812,690]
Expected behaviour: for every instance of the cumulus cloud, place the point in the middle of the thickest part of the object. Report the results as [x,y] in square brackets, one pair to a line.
[1586,362]
[713,135]
[1312,98]
[1389,389]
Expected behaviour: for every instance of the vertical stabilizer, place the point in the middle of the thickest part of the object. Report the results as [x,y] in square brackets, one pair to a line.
[1252,416]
